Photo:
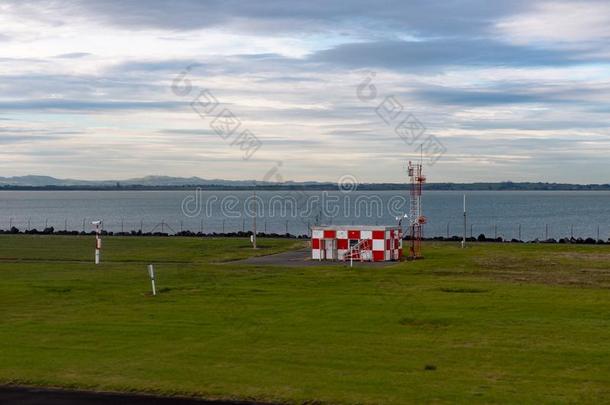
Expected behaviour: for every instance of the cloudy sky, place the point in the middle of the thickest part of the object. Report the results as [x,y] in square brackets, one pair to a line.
[117,89]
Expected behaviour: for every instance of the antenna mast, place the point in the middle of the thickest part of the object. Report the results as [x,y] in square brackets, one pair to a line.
[416,219]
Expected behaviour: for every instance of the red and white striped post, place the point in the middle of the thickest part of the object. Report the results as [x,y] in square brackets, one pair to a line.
[98,240]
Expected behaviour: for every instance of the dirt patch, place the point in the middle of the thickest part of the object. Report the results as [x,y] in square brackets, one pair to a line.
[432,323]
[463,290]
[569,269]
[584,256]
[592,279]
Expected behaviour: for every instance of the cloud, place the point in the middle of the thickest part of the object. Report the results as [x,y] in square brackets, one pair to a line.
[73,55]
[89,105]
[418,16]
[196,132]
[45,132]
[33,136]
[442,53]
[492,80]
[155,66]
[29,139]
[541,124]
[559,24]
[41,86]
[482,97]
[290,79]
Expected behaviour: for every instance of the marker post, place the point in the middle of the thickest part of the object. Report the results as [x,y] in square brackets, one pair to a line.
[98,240]
[151,273]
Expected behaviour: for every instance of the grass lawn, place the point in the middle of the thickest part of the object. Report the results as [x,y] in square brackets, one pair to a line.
[490,323]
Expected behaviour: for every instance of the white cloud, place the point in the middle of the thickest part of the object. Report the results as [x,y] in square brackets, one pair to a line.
[561,24]
[106,87]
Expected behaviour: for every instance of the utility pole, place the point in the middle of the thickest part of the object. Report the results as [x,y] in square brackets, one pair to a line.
[254,217]
[464,237]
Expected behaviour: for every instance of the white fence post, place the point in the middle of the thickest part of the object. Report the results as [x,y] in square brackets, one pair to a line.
[151,273]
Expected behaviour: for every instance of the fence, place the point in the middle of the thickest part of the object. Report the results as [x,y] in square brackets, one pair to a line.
[177,226]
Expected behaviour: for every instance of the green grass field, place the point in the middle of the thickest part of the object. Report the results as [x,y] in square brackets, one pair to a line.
[491,323]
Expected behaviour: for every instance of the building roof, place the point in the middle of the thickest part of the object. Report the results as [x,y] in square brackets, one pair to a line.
[356,227]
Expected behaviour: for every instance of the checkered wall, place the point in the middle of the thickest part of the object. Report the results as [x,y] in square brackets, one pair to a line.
[379,245]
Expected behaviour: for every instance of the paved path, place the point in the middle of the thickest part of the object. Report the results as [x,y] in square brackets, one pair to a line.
[42,396]
[302,257]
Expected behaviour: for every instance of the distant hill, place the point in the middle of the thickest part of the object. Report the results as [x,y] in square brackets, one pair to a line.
[34,182]
[154,181]
[509,185]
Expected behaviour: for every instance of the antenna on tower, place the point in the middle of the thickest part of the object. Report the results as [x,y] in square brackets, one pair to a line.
[416,218]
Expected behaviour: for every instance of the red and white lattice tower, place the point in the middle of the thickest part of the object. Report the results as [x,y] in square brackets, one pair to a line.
[416,218]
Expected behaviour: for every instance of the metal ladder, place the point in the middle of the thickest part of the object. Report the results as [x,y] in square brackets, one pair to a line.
[354,252]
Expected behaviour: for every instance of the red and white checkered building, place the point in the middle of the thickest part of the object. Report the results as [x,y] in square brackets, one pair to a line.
[372,243]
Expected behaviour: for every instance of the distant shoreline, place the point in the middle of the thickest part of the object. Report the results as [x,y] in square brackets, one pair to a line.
[506,186]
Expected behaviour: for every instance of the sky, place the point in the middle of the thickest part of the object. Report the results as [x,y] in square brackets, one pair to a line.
[317,90]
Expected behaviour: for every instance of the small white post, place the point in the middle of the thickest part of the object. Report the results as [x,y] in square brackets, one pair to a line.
[255,202]
[151,273]
[98,240]
[464,237]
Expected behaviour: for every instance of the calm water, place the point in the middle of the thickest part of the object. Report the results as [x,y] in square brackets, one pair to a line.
[490,212]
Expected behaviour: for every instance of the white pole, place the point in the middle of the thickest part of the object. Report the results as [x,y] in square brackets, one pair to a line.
[98,241]
[254,217]
[464,237]
[151,273]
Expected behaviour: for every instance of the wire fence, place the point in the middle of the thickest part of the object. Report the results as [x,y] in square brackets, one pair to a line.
[174,226]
